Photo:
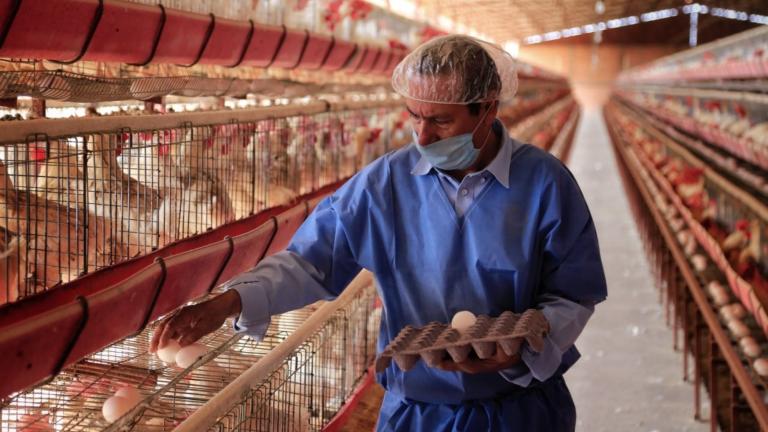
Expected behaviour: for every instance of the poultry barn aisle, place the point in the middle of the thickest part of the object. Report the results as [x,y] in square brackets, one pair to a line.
[628,378]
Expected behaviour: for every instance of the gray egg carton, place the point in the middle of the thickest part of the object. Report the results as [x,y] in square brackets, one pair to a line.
[437,341]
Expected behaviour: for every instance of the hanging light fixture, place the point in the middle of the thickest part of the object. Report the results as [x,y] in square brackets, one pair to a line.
[599,7]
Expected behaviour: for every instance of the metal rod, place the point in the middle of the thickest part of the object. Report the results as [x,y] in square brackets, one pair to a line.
[17,131]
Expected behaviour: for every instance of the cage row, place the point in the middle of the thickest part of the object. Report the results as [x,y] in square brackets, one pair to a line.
[75,204]
[738,126]
[76,87]
[718,342]
[125,32]
[741,56]
[721,232]
[306,389]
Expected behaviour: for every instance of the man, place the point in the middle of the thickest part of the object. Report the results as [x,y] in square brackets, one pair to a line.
[466,218]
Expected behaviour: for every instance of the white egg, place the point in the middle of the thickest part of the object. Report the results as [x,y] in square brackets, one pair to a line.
[718,293]
[738,311]
[750,346]
[115,407]
[720,298]
[682,236]
[699,262]
[130,393]
[761,366]
[690,246]
[168,352]
[726,313]
[738,328]
[713,286]
[189,354]
[155,421]
[463,320]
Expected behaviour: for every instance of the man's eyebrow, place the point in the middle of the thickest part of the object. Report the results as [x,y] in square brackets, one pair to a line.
[427,117]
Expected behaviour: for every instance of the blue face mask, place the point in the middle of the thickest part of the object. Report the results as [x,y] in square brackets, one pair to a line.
[453,153]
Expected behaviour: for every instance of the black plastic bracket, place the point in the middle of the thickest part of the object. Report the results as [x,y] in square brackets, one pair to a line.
[328,53]
[75,337]
[89,36]
[246,46]
[161,262]
[215,281]
[303,50]
[279,47]
[208,34]
[271,239]
[163,18]
[9,21]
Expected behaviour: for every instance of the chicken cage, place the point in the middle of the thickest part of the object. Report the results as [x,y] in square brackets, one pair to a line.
[74,201]
[296,378]
[81,170]
[705,264]
[79,86]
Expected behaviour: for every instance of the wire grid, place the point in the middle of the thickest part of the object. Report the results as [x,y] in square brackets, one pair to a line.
[657,250]
[73,400]
[77,87]
[360,132]
[57,240]
[729,210]
[75,204]
[310,387]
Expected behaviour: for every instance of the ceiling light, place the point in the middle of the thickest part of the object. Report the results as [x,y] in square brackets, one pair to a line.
[599,7]
[512,47]
[633,20]
[534,39]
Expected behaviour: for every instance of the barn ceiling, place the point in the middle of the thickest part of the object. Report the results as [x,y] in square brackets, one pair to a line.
[504,20]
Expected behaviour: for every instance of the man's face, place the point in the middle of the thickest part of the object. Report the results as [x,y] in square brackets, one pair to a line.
[434,121]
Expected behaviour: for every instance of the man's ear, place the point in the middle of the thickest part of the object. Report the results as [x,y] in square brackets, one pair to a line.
[493,108]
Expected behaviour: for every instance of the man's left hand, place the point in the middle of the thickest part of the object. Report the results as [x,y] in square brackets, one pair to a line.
[473,365]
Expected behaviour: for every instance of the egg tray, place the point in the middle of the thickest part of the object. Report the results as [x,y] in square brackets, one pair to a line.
[437,341]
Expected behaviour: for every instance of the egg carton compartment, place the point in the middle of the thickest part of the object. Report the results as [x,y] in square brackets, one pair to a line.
[437,341]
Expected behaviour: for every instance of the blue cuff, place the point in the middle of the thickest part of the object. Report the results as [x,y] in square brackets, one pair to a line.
[534,365]
[254,316]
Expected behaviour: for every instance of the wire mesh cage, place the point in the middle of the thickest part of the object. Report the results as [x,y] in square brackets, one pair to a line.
[719,363]
[72,86]
[310,387]
[72,204]
[303,393]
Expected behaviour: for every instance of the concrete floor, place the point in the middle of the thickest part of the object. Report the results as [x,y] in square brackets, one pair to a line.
[629,377]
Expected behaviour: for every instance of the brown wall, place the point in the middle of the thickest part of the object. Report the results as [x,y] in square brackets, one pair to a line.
[591,82]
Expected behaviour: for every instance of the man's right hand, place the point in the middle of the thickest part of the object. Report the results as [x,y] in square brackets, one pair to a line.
[193,322]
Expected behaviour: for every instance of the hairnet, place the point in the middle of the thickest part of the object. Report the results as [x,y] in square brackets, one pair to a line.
[456,69]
